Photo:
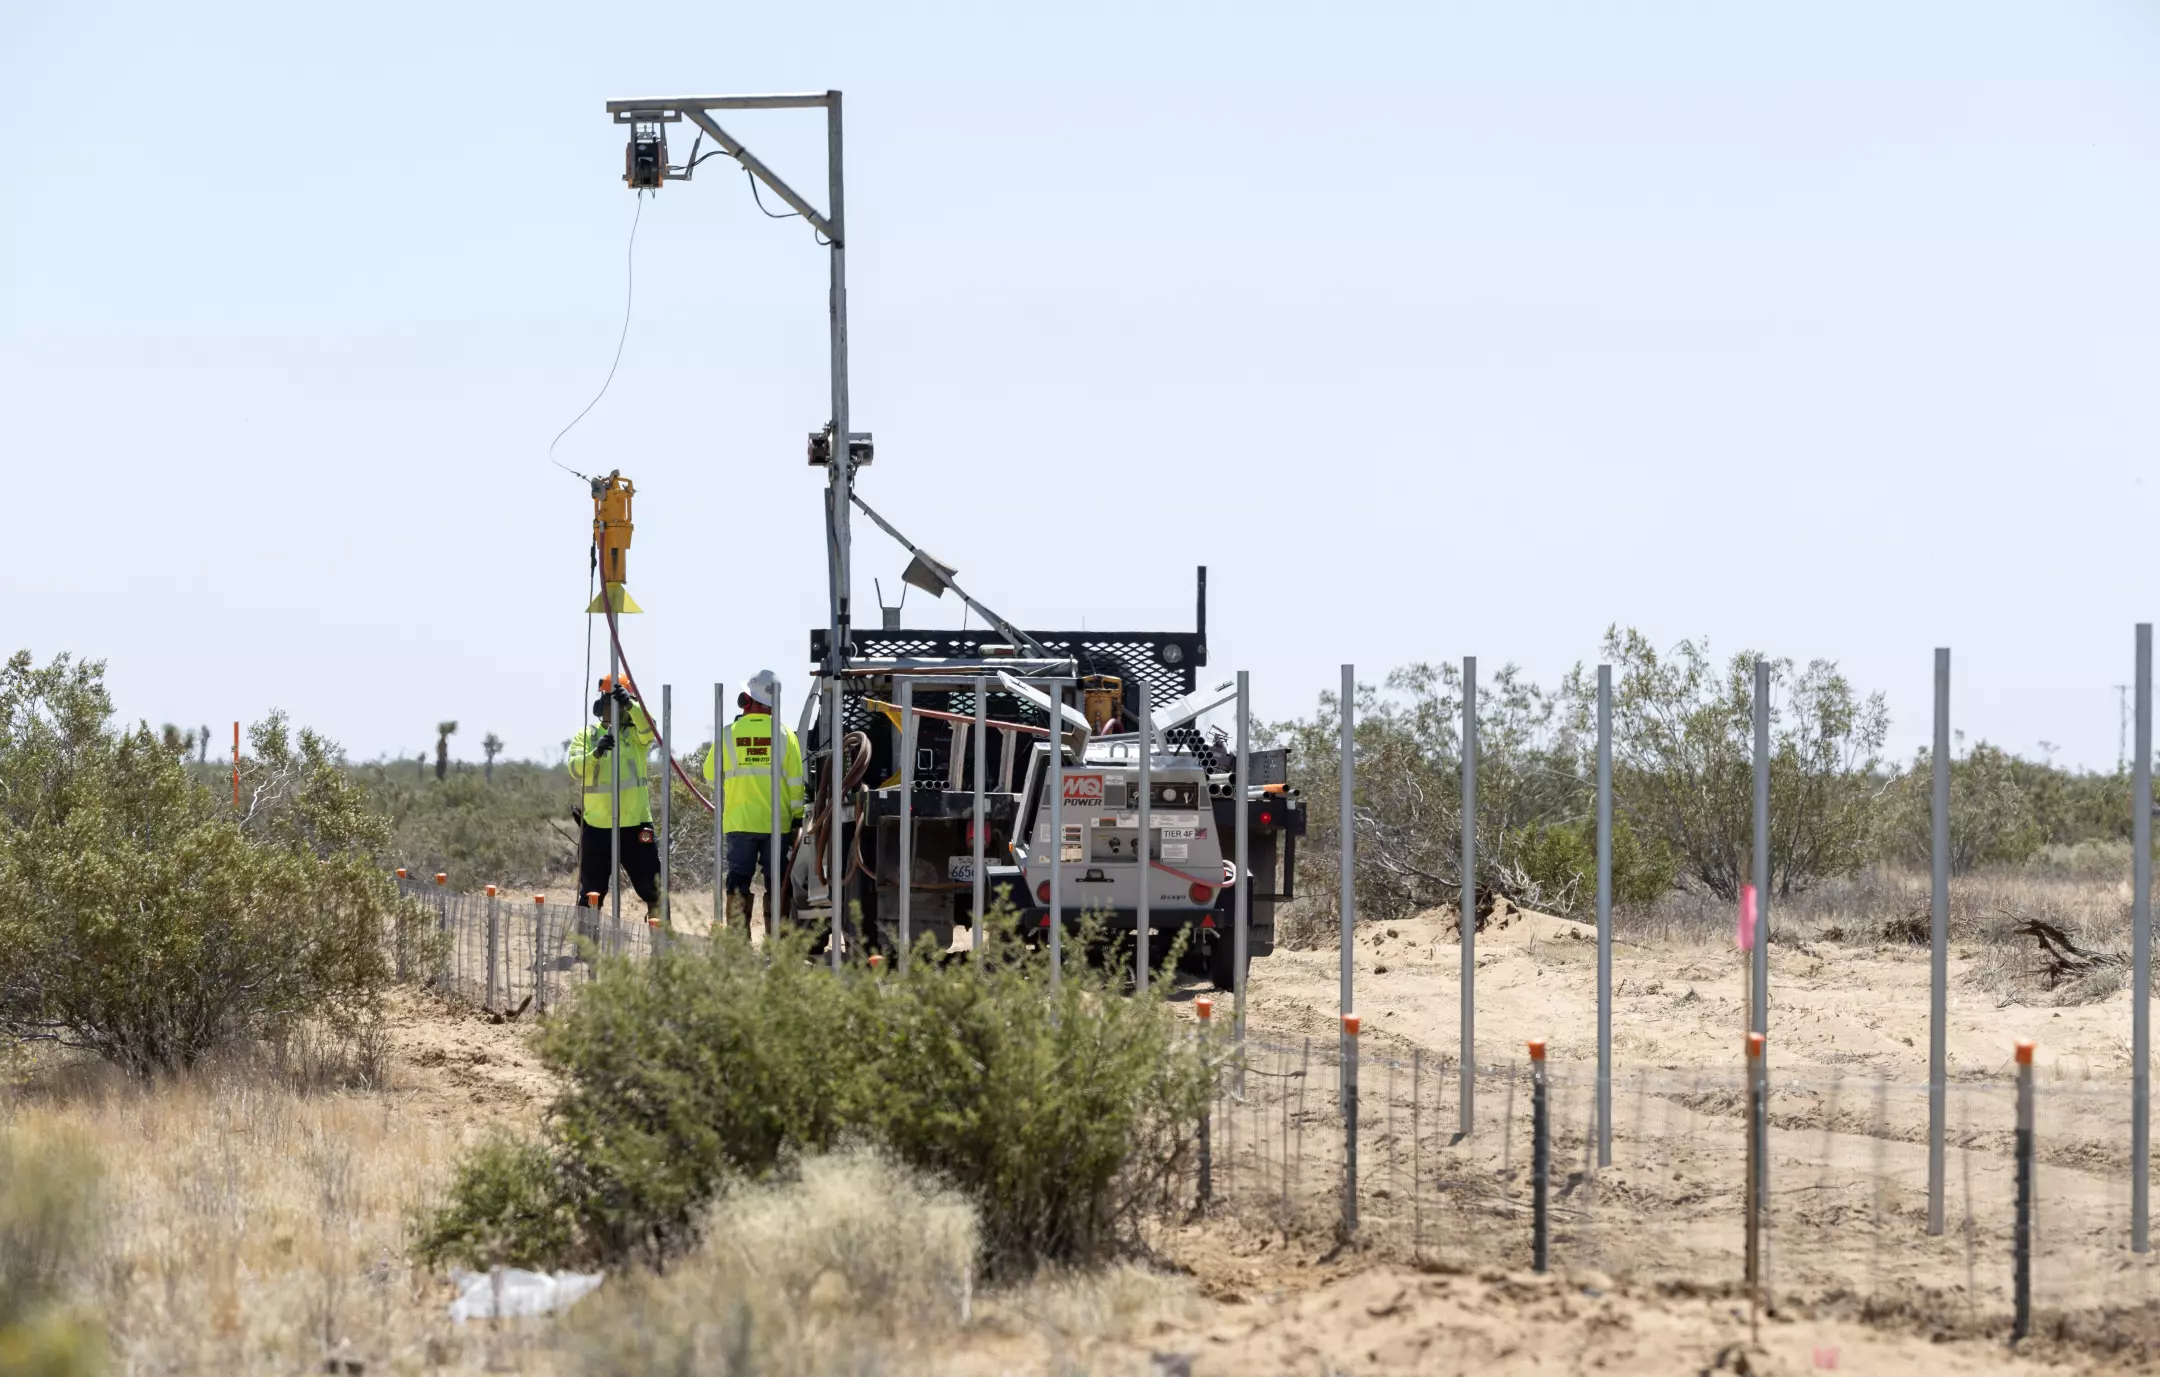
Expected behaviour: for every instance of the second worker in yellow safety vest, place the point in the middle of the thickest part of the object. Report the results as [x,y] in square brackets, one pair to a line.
[595,756]
[744,753]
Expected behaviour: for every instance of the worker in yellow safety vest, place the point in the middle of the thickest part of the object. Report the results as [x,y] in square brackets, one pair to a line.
[594,756]
[744,753]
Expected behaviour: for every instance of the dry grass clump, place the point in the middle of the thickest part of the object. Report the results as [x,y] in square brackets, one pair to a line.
[855,1264]
[230,1222]
[246,1227]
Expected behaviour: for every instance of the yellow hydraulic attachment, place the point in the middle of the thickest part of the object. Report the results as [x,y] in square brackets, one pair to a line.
[1101,695]
[611,528]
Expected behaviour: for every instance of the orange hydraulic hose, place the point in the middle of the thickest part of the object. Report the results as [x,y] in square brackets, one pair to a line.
[614,635]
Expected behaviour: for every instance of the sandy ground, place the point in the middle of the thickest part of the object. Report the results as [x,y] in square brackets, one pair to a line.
[1646,1252]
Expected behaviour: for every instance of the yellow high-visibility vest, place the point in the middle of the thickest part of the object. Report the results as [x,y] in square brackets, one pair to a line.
[595,774]
[745,757]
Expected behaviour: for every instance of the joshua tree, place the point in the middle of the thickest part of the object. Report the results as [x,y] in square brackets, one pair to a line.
[491,746]
[443,732]
[202,744]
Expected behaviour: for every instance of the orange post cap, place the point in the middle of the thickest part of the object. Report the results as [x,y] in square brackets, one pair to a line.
[1754,1045]
[2024,1051]
[1204,1007]
[1350,1024]
[1537,1049]
[491,891]
[441,878]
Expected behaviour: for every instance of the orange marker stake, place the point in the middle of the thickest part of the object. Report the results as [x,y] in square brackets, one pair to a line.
[1204,1007]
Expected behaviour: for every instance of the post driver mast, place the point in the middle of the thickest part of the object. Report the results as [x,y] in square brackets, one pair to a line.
[645,168]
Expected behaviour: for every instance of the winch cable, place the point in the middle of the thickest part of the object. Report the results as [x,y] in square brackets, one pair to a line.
[629,298]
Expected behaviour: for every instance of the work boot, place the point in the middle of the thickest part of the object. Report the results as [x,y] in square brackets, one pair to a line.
[738,908]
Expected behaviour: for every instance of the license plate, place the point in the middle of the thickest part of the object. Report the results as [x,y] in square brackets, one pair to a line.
[960,868]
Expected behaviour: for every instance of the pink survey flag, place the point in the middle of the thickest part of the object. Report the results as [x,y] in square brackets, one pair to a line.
[1744,937]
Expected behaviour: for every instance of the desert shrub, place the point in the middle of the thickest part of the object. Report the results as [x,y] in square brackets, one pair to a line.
[1060,1111]
[505,1207]
[150,922]
[1408,823]
[1065,1111]
[1555,868]
[513,828]
[1683,761]
[48,1232]
[1991,819]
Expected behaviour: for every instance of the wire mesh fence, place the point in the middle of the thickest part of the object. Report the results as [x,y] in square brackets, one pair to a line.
[1845,1223]
[502,951]
[1846,1203]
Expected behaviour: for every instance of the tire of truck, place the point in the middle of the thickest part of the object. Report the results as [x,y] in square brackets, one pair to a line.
[1222,963]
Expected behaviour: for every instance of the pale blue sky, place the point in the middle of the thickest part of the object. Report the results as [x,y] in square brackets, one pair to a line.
[1825,328]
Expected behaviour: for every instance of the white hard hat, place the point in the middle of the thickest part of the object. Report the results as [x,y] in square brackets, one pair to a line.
[762,687]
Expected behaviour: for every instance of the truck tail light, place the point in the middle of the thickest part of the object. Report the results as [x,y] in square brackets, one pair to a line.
[1201,894]
[1042,892]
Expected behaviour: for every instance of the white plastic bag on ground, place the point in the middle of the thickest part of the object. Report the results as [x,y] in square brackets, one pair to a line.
[512,1291]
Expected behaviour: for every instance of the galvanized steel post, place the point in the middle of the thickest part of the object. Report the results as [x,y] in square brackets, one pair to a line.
[1054,784]
[540,952]
[907,809]
[615,754]
[1205,1009]
[494,946]
[1144,917]
[720,814]
[667,806]
[836,857]
[1604,915]
[1939,940]
[776,880]
[979,881]
[1241,897]
[1761,983]
[1346,847]
[2141,948]
[1466,1112]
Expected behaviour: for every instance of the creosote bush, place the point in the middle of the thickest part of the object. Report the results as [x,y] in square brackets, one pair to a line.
[1061,1112]
[146,919]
